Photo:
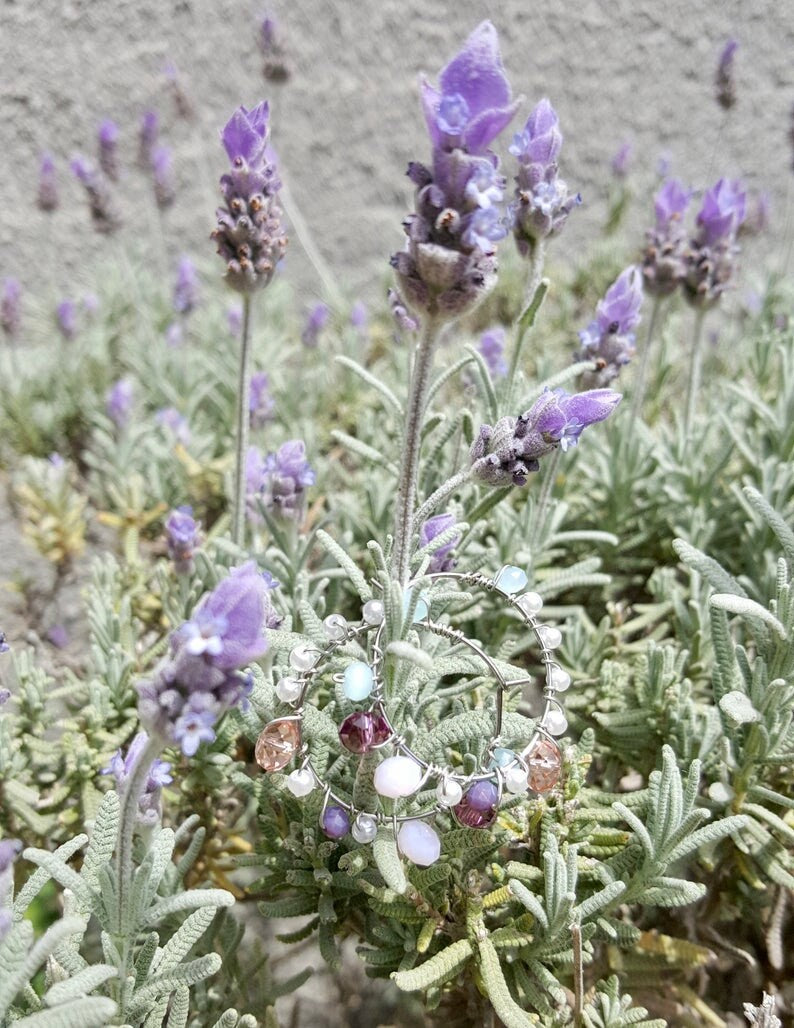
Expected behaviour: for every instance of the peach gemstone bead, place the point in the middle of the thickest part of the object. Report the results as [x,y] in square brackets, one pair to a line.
[544,761]
[278,744]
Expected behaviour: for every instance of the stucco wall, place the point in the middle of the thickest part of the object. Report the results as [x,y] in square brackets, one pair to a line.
[348,119]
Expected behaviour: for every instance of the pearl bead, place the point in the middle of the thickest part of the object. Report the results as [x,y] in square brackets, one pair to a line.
[555,722]
[300,782]
[373,612]
[417,841]
[335,627]
[560,680]
[516,779]
[302,658]
[511,580]
[449,792]
[357,680]
[397,776]
[365,828]
[288,689]
[550,637]
[530,603]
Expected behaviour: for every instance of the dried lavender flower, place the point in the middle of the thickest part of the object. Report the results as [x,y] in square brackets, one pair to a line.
[11,307]
[118,402]
[147,137]
[47,193]
[186,289]
[260,402]
[441,559]
[104,216]
[121,767]
[108,138]
[250,234]
[609,339]
[316,320]
[724,82]
[711,256]
[183,538]
[66,318]
[492,347]
[201,678]
[507,453]
[449,262]
[542,202]
[664,256]
[163,176]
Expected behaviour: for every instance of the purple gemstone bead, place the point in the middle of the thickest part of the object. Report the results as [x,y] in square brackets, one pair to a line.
[363,731]
[471,818]
[335,822]
[482,796]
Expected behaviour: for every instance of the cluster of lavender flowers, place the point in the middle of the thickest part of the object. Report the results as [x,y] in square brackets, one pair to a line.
[449,261]
[149,803]
[609,338]
[701,263]
[278,481]
[250,234]
[505,454]
[202,678]
[183,537]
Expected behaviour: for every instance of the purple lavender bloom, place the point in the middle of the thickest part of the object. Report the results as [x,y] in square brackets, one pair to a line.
[711,256]
[449,261]
[609,339]
[66,318]
[234,319]
[260,403]
[186,289]
[104,216]
[47,194]
[174,335]
[316,321]
[4,647]
[621,162]
[108,137]
[149,806]
[492,346]
[401,316]
[58,636]
[664,256]
[250,234]
[276,66]
[176,423]
[147,137]
[359,318]
[11,307]
[670,203]
[722,212]
[441,560]
[118,402]
[725,82]
[286,476]
[183,537]
[163,176]
[201,678]
[507,453]
[542,202]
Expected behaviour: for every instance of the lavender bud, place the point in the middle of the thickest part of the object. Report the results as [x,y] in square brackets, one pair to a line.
[147,138]
[104,216]
[186,289]
[609,339]
[711,255]
[11,307]
[491,346]
[183,537]
[58,636]
[163,176]
[108,138]
[279,482]
[175,423]
[261,402]
[250,235]
[400,314]
[234,319]
[118,402]
[441,559]
[47,194]
[621,162]
[724,82]
[182,102]
[316,320]
[664,256]
[149,806]
[66,319]
[359,318]
[275,67]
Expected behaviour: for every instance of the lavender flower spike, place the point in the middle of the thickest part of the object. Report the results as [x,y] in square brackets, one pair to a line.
[287,475]
[449,261]
[250,234]
[725,82]
[441,559]
[664,256]
[200,679]
[147,137]
[260,404]
[186,289]
[11,307]
[103,213]
[47,194]
[507,453]
[149,805]
[492,347]
[609,339]
[108,137]
[66,318]
[163,176]
[542,202]
[118,402]
[711,257]
[183,537]
[316,321]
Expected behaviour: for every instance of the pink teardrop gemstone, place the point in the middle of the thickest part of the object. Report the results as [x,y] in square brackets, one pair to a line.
[544,761]
[363,731]
[278,744]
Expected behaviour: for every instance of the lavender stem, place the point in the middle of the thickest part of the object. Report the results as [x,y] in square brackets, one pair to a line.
[694,374]
[642,371]
[533,282]
[243,403]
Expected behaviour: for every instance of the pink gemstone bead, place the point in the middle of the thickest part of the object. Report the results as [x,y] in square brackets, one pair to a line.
[544,761]
[278,744]
[362,731]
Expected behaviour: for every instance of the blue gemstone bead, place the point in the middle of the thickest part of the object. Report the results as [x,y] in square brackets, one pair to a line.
[511,580]
[502,757]
[422,607]
[357,681]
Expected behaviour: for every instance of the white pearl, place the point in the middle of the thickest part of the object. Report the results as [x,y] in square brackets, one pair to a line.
[302,658]
[335,627]
[288,689]
[550,637]
[417,841]
[365,828]
[560,680]
[397,776]
[449,792]
[516,779]
[373,612]
[300,782]
[555,722]
[530,603]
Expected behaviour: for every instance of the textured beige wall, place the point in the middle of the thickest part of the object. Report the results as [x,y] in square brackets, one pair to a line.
[348,120]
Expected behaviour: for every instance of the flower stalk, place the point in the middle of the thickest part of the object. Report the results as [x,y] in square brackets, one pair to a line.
[243,422]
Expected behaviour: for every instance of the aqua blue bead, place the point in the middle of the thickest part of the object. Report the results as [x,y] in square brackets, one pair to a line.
[422,607]
[511,580]
[502,757]
[357,680]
